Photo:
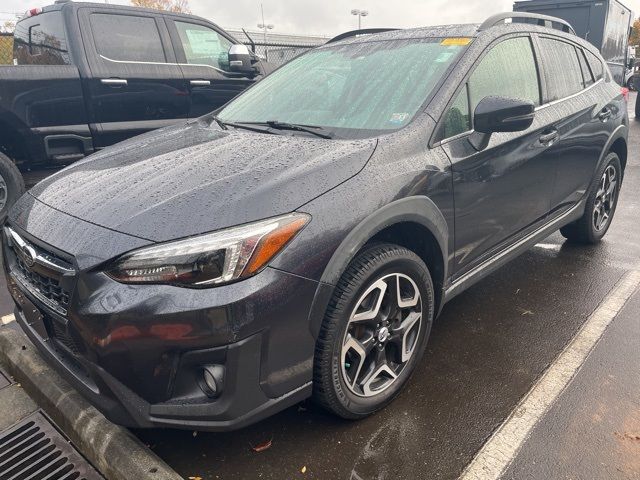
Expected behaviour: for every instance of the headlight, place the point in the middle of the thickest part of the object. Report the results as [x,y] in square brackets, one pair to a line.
[212,259]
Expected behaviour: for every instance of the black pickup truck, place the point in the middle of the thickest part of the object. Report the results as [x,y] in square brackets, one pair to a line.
[86,76]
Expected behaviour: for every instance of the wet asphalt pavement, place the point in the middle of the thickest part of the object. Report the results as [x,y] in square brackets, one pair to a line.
[487,349]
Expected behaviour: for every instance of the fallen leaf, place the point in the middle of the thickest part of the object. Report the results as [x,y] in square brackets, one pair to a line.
[304,469]
[262,447]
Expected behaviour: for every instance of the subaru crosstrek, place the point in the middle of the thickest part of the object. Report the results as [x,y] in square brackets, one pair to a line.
[300,241]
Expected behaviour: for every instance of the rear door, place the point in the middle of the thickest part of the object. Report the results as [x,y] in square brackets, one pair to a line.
[135,85]
[203,53]
[577,104]
[504,190]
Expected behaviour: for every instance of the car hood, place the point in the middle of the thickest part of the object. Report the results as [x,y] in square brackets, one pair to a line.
[195,178]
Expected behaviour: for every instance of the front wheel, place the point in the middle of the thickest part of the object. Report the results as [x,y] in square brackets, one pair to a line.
[374,332]
[11,185]
[601,205]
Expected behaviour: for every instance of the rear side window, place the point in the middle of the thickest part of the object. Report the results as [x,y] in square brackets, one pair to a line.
[127,38]
[586,71]
[562,69]
[596,66]
[203,46]
[508,70]
[41,40]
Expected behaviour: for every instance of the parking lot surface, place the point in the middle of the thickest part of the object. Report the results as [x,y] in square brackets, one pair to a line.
[487,350]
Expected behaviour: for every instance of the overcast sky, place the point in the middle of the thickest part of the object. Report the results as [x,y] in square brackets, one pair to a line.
[326,17]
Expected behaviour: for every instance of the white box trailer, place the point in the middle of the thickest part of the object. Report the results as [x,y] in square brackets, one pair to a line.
[605,23]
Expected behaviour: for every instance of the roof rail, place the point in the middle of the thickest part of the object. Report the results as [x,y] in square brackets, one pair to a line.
[518,17]
[364,31]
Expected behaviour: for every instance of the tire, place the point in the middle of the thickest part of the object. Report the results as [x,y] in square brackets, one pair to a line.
[592,227]
[338,387]
[11,185]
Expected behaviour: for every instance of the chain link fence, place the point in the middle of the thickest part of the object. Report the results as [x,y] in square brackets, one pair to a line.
[6,49]
[277,49]
[280,53]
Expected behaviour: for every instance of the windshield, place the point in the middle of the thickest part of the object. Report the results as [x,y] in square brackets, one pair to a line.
[377,86]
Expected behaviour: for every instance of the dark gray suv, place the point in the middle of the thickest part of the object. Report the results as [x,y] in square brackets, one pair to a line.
[300,241]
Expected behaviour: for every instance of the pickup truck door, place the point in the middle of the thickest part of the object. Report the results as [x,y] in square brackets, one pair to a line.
[202,52]
[136,84]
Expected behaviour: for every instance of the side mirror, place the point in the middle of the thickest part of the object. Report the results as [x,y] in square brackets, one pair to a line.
[500,114]
[240,60]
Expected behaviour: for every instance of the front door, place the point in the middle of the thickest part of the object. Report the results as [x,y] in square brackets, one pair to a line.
[203,53]
[503,190]
[135,85]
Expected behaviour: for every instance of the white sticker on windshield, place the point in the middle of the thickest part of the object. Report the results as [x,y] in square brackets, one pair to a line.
[398,118]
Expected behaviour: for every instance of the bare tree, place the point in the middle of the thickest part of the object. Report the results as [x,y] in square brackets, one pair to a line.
[178,6]
[8,27]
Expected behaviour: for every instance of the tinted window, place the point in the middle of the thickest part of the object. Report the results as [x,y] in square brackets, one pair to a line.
[596,66]
[368,86]
[204,46]
[458,119]
[508,70]
[127,38]
[41,40]
[562,69]
[586,71]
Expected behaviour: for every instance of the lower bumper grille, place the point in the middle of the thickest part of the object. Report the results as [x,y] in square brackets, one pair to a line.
[65,338]
[35,450]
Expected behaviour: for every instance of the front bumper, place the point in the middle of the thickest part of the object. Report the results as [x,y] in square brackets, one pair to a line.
[137,352]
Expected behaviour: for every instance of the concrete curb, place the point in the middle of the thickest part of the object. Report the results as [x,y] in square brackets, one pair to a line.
[112,449]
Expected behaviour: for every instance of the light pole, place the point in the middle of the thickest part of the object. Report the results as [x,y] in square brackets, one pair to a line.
[265,26]
[359,14]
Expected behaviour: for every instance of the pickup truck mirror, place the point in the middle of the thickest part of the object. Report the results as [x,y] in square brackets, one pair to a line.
[241,60]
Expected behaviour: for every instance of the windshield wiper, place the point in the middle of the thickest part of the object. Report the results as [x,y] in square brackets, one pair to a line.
[245,126]
[313,130]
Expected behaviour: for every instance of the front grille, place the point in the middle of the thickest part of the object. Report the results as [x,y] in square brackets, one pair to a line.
[47,286]
[35,450]
[45,275]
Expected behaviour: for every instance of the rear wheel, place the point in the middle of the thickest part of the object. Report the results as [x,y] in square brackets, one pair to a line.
[11,185]
[601,205]
[374,332]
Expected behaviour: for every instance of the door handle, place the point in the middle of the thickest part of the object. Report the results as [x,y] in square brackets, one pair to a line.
[200,83]
[549,138]
[605,115]
[114,82]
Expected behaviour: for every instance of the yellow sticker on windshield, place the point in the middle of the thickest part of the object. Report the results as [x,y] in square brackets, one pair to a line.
[456,42]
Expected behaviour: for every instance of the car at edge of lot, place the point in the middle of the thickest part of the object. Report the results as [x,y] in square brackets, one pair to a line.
[301,241]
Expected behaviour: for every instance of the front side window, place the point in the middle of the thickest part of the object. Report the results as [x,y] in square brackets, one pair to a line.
[204,46]
[458,119]
[127,38]
[372,86]
[508,70]
[41,40]
[562,69]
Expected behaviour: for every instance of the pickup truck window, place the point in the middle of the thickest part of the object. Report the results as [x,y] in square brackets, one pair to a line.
[127,38]
[203,45]
[41,40]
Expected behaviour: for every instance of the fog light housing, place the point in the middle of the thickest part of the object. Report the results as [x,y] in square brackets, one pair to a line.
[212,380]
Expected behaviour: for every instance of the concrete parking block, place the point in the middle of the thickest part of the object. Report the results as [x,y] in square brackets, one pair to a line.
[116,453]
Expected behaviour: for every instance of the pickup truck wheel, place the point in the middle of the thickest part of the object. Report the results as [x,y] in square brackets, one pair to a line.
[11,185]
